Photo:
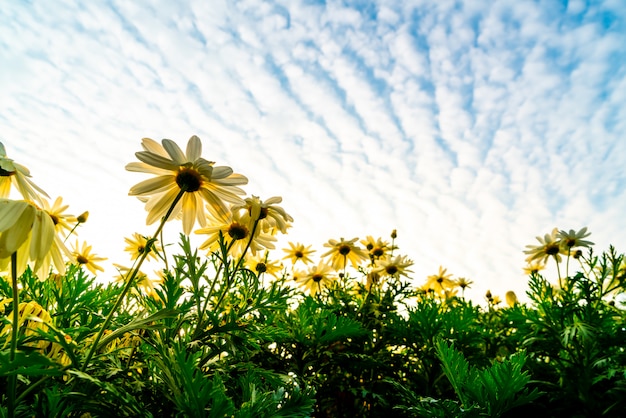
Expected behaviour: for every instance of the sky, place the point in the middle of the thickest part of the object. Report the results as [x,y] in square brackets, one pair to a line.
[471,127]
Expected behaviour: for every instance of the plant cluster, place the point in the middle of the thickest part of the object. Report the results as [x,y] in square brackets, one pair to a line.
[231,329]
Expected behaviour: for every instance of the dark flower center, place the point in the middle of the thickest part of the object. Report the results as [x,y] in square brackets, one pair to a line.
[261,268]
[141,249]
[552,249]
[317,277]
[439,279]
[570,242]
[237,231]
[391,270]
[378,252]
[189,179]
[55,219]
[81,259]
[344,249]
[4,173]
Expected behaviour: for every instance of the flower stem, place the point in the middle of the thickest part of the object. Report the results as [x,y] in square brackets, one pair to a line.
[129,281]
[14,333]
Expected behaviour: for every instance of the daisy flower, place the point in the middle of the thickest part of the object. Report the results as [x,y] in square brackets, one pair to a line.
[341,252]
[298,252]
[18,176]
[177,171]
[84,257]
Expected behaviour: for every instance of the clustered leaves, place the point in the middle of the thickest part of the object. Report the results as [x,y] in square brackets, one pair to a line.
[230,329]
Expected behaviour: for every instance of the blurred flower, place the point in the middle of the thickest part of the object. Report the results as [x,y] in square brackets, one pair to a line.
[573,239]
[271,217]
[82,218]
[236,235]
[343,251]
[12,173]
[550,246]
[298,252]
[84,257]
[137,246]
[262,264]
[142,281]
[534,267]
[377,248]
[511,298]
[393,267]
[317,277]
[188,171]
[464,283]
[440,282]
[32,317]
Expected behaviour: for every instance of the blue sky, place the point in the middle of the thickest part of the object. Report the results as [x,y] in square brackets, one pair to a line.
[469,126]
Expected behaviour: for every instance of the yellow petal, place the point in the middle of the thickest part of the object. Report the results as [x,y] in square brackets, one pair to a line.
[194,148]
[154,185]
[174,152]
[156,160]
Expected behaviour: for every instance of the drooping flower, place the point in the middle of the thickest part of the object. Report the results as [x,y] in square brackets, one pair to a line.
[394,266]
[84,257]
[440,282]
[29,232]
[176,171]
[137,246]
[317,278]
[550,246]
[573,239]
[12,173]
[342,252]
[298,252]
[271,217]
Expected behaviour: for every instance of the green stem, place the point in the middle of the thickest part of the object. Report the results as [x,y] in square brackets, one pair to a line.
[14,332]
[129,282]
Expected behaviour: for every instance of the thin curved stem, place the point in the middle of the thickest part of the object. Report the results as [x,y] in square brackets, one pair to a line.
[14,332]
[129,282]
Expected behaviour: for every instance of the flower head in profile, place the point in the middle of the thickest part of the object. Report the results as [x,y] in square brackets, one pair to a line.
[317,278]
[18,176]
[271,217]
[298,252]
[464,283]
[237,234]
[534,267]
[549,246]
[341,252]
[440,282]
[137,245]
[175,171]
[29,232]
[84,257]
[142,282]
[573,239]
[394,266]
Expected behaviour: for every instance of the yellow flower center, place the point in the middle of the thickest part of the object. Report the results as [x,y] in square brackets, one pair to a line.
[237,231]
[344,249]
[189,179]
[81,259]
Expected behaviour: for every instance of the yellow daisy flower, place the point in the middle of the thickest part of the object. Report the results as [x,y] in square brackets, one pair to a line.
[393,267]
[464,283]
[176,171]
[377,248]
[142,281]
[317,277]
[136,246]
[236,233]
[534,267]
[84,257]
[62,221]
[550,246]
[440,282]
[12,173]
[343,251]
[298,252]
[263,265]
[271,217]
[573,239]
